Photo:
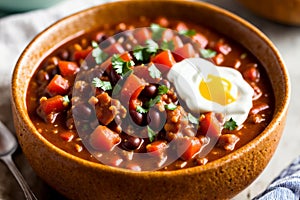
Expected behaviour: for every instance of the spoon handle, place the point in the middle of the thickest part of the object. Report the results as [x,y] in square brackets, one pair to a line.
[14,170]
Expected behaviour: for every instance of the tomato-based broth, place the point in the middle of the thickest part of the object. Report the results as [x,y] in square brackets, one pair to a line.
[157,94]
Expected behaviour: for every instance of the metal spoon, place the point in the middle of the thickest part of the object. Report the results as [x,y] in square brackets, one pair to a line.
[8,145]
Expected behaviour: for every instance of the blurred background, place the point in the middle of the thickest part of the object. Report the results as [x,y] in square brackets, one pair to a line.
[21,20]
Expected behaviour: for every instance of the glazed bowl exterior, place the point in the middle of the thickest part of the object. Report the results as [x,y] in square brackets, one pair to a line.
[286,12]
[80,179]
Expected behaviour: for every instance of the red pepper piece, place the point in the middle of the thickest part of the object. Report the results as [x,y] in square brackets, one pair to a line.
[68,68]
[67,136]
[58,86]
[209,125]
[188,147]
[54,104]
[131,89]
[156,148]
[164,60]
[103,139]
[82,54]
[115,48]
[187,51]
[201,40]
[142,35]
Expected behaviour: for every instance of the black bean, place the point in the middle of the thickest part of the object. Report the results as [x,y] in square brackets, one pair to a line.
[131,142]
[82,111]
[114,76]
[137,117]
[149,91]
[165,82]
[42,77]
[64,54]
[156,119]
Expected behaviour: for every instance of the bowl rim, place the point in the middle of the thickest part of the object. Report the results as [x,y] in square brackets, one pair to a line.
[277,117]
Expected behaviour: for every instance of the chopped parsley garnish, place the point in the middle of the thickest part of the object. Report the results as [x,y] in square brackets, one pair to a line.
[190,32]
[167,45]
[104,85]
[171,106]
[192,119]
[162,89]
[121,66]
[66,100]
[230,124]
[243,56]
[157,31]
[99,55]
[151,134]
[143,54]
[140,109]
[208,53]
[154,72]
[149,104]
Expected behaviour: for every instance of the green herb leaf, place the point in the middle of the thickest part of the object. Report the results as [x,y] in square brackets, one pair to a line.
[162,89]
[154,72]
[190,32]
[167,45]
[192,119]
[121,66]
[230,124]
[149,104]
[151,47]
[151,134]
[171,106]
[157,31]
[208,53]
[138,53]
[143,54]
[104,85]
[99,55]
[66,100]
[140,109]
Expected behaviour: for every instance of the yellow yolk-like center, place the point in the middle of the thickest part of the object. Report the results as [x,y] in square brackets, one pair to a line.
[216,89]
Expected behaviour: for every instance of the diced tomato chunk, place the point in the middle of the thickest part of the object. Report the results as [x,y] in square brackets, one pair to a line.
[103,139]
[252,74]
[181,27]
[54,104]
[165,59]
[187,51]
[188,147]
[67,136]
[218,59]
[68,68]
[58,86]
[126,56]
[115,48]
[167,35]
[223,48]
[201,40]
[209,125]
[177,42]
[142,35]
[162,21]
[131,90]
[156,148]
[82,54]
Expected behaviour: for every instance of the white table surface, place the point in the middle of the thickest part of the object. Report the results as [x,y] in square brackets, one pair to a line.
[287,40]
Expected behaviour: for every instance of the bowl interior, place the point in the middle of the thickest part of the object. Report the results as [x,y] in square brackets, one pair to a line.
[220,20]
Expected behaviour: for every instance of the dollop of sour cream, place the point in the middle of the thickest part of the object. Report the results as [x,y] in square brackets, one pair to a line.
[205,87]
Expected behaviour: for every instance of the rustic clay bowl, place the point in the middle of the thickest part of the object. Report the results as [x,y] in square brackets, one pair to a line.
[80,179]
[286,12]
